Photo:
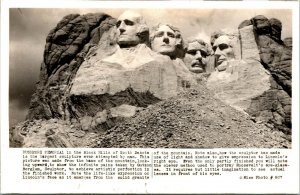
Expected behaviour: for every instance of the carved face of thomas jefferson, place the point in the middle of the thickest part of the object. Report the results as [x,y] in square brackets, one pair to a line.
[196,56]
[164,41]
[130,26]
[223,50]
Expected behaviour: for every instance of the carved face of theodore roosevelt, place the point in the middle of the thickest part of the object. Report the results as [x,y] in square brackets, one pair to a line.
[131,26]
[196,56]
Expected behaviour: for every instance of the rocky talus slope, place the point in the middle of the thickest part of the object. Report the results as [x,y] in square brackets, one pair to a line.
[193,119]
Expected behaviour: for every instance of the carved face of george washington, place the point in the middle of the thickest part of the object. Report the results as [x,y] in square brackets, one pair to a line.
[130,26]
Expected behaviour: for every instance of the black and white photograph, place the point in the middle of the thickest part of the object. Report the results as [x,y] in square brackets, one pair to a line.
[150,78]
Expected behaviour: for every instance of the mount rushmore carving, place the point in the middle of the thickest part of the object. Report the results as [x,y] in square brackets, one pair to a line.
[101,75]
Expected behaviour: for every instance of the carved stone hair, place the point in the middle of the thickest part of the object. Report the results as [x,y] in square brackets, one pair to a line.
[232,34]
[143,31]
[208,49]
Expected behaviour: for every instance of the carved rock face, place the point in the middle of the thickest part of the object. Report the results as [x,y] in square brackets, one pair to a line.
[196,57]
[129,26]
[164,41]
[223,50]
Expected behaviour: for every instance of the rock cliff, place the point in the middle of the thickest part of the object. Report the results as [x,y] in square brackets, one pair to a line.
[66,46]
[274,105]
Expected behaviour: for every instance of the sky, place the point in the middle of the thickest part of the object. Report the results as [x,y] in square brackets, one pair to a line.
[29,27]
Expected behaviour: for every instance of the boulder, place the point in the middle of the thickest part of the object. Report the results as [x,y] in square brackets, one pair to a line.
[261,25]
[276,28]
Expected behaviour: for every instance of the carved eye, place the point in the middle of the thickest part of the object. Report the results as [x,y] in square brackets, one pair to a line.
[129,23]
[178,36]
[223,46]
[192,52]
[118,23]
[159,34]
[214,48]
[170,34]
[203,53]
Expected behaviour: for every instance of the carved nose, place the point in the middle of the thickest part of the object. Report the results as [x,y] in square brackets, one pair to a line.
[122,28]
[218,52]
[198,55]
[166,40]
